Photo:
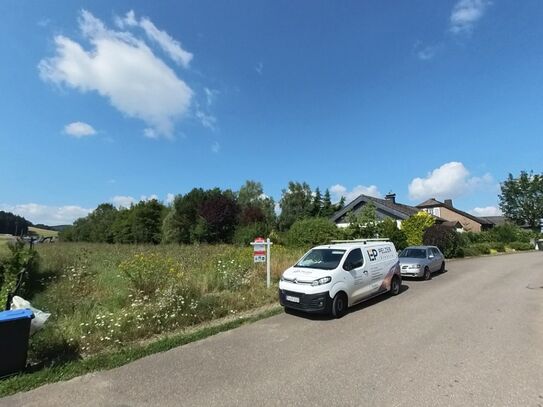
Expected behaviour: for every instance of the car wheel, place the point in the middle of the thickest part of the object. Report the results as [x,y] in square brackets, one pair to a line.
[442,269]
[339,305]
[427,274]
[395,285]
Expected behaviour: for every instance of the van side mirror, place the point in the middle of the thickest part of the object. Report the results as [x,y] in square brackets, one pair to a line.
[430,256]
[348,266]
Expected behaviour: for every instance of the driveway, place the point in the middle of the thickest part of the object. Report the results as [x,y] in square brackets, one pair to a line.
[472,336]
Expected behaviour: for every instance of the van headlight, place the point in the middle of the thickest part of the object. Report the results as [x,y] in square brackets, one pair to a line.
[321,281]
[282,278]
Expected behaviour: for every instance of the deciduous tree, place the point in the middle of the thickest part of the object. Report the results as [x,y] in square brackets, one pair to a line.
[295,204]
[521,199]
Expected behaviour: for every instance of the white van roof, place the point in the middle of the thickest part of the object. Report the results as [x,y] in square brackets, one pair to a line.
[348,244]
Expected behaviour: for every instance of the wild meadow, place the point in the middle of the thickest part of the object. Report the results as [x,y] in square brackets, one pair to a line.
[102,296]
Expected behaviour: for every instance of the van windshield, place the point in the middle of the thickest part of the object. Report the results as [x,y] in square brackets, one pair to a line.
[326,259]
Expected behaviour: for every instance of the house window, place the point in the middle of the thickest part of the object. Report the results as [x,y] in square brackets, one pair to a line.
[434,211]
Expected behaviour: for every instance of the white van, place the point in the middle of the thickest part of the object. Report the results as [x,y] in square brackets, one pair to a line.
[331,278]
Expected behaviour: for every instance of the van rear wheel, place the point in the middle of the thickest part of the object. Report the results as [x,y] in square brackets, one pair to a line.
[395,285]
[339,305]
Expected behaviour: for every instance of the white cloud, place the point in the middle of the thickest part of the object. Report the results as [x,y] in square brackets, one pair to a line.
[337,191]
[451,180]
[151,133]
[48,215]
[211,96]
[123,201]
[277,208]
[79,129]
[169,45]
[148,198]
[170,198]
[207,120]
[122,69]
[216,147]
[259,68]
[466,13]
[129,20]
[487,211]
[426,53]
[44,22]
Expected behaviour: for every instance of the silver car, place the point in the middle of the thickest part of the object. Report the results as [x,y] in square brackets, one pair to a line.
[421,261]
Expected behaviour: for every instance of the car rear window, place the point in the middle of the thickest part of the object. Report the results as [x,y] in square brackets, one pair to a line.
[413,253]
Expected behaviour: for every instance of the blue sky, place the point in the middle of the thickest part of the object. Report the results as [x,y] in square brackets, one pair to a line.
[105,103]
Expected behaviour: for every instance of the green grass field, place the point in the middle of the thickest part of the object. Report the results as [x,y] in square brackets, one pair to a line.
[110,304]
[103,297]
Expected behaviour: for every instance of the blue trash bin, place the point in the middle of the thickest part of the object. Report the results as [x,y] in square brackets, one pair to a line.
[14,335]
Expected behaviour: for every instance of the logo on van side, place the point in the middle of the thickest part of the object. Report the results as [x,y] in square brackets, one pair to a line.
[372,254]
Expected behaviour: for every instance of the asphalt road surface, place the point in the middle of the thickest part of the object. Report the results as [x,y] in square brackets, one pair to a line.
[472,336]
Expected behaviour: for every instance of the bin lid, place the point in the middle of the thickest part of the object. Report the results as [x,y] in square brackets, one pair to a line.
[15,314]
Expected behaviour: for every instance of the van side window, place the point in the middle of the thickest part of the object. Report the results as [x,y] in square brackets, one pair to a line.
[436,252]
[355,259]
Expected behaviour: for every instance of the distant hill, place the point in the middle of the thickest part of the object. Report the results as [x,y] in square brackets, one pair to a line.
[58,228]
[42,232]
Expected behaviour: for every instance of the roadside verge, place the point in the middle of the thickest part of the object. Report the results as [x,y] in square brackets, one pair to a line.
[110,360]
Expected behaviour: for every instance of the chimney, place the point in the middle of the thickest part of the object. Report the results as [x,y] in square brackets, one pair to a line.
[391,197]
[448,202]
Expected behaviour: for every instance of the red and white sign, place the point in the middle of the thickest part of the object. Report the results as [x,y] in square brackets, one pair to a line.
[262,254]
[259,250]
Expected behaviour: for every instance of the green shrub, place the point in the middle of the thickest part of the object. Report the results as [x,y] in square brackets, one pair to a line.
[362,224]
[246,234]
[389,229]
[471,251]
[460,252]
[521,246]
[481,248]
[415,225]
[311,232]
[508,233]
[498,246]
[150,272]
[20,257]
[444,237]
[472,237]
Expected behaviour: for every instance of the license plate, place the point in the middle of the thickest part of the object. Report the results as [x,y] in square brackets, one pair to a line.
[292,299]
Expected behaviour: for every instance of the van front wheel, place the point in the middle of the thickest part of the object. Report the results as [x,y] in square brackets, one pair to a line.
[339,305]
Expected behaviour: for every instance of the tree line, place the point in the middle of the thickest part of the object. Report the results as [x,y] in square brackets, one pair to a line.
[204,216]
[13,224]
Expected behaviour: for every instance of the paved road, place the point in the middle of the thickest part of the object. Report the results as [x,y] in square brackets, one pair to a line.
[470,337]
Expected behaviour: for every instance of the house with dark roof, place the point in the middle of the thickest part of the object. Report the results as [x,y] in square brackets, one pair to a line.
[384,208]
[502,220]
[447,211]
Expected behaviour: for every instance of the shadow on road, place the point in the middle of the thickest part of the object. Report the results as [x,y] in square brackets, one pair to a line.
[355,308]
[434,275]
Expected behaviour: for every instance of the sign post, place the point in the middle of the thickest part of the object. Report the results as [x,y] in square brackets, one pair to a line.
[261,254]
